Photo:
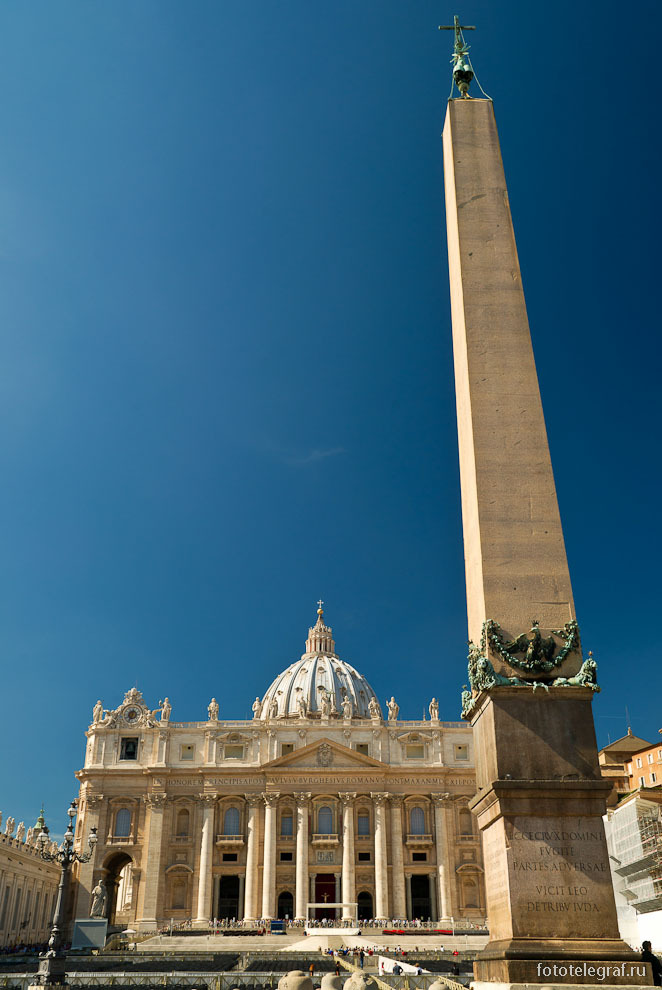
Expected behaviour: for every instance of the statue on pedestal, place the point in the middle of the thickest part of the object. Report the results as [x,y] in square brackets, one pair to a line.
[374,709]
[434,710]
[325,702]
[393,709]
[273,708]
[166,708]
[99,901]
[212,710]
[97,713]
[20,832]
[9,827]
[257,707]
[347,708]
[302,706]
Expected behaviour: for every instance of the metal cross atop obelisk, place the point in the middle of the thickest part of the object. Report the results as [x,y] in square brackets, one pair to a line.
[462,71]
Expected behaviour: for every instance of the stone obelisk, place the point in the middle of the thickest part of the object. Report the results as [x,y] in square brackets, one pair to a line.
[540,795]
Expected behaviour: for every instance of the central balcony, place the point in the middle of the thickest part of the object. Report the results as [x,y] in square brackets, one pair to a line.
[418,841]
[230,841]
[324,841]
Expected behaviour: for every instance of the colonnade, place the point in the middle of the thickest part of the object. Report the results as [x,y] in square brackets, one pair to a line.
[392,900]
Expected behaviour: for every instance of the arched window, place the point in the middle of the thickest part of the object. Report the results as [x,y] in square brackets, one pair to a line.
[182,822]
[363,824]
[231,822]
[325,820]
[466,825]
[123,823]
[417,821]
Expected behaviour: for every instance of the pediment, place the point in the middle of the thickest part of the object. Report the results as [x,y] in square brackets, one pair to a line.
[324,754]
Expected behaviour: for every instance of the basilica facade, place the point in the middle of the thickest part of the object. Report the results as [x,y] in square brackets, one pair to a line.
[323,805]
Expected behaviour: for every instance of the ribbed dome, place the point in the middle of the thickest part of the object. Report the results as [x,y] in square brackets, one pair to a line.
[319,674]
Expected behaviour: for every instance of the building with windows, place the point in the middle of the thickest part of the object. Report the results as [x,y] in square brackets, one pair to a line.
[644,768]
[620,758]
[634,838]
[322,798]
[28,885]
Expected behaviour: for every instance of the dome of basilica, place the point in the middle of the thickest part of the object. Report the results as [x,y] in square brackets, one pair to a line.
[320,684]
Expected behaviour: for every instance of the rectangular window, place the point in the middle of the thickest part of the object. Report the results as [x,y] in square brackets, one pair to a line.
[641,782]
[659,754]
[419,857]
[234,752]
[650,757]
[129,748]
[286,748]
[187,751]
[461,751]
[653,777]
[639,762]
[362,748]
[286,826]
[229,857]
[363,824]
[286,857]
[415,752]
[364,857]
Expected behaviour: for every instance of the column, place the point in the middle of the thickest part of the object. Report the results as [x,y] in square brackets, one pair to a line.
[408,891]
[155,804]
[338,878]
[397,858]
[348,856]
[441,802]
[269,872]
[206,853]
[381,867]
[433,897]
[254,802]
[242,889]
[302,856]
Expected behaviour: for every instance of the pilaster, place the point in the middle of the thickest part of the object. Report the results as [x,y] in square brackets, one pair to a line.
[397,858]
[153,885]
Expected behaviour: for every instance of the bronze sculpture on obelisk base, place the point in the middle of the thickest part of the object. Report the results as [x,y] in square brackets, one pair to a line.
[540,796]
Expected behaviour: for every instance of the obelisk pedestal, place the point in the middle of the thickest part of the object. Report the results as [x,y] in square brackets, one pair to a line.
[540,797]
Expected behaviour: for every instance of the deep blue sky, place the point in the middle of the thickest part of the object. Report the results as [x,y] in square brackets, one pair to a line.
[225,362]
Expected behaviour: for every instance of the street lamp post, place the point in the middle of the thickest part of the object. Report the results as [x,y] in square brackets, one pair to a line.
[52,963]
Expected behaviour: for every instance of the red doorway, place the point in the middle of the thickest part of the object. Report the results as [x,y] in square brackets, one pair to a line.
[325,892]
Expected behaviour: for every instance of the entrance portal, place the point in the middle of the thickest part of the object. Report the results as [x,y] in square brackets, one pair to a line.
[116,870]
[285,905]
[420,897]
[325,890]
[228,897]
[365,912]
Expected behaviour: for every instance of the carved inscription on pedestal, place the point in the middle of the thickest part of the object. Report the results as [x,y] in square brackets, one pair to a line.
[559,877]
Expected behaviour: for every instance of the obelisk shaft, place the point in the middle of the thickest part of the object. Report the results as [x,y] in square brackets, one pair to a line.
[540,797]
[516,566]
